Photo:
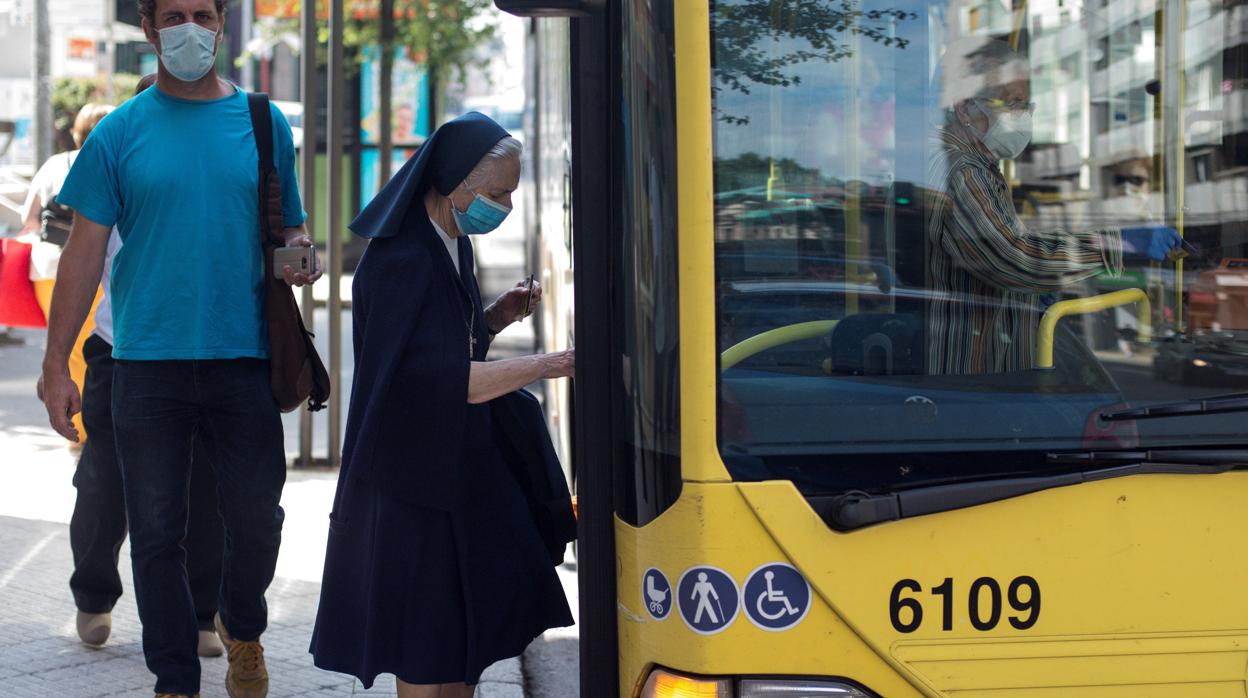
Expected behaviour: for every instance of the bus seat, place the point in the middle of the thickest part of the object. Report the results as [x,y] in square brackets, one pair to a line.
[877,344]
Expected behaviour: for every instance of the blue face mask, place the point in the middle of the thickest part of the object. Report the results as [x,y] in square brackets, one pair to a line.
[188,51]
[482,216]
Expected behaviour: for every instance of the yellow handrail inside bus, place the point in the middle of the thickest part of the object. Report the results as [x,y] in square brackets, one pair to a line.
[1080,306]
[773,338]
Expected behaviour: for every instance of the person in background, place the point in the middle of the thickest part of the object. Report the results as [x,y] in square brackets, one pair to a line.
[98,526]
[1133,178]
[1133,185]
[175,170]
[44,186]
[48,180]
[985,267]
[434,568]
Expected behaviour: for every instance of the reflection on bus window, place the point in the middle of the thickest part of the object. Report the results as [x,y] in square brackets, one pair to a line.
[986,268]
[648,359]
[904,190]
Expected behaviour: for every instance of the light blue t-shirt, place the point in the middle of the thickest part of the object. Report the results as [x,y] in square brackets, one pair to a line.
[179,180]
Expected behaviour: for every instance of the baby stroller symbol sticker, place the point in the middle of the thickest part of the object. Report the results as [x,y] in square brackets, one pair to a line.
[776,596]
[656,594]
[708,599]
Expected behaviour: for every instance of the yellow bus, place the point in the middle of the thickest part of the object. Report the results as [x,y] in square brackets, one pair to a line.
[887,384]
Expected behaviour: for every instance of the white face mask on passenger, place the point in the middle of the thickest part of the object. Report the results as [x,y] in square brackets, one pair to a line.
[1008,132]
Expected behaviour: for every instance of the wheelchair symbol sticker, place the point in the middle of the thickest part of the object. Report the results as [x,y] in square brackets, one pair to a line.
[776,597]
[708,599]
[656,594]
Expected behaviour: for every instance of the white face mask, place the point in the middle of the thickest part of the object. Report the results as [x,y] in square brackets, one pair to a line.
[1008,134]
[188,51]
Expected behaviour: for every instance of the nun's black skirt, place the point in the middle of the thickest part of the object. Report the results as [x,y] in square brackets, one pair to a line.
[431,596]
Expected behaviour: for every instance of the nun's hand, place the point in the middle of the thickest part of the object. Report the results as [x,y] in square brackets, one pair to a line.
[510,306]
[560,364]
[298,237]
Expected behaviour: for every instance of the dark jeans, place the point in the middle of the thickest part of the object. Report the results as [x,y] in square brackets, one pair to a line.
[159,408]
[98,526]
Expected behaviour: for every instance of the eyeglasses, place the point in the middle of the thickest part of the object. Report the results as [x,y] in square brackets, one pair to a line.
[1010,105]
[1130,179]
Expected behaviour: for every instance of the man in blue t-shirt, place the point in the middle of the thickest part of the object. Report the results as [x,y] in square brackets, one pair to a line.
[175,169]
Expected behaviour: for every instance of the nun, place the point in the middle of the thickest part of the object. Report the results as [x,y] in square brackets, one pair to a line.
[434,567]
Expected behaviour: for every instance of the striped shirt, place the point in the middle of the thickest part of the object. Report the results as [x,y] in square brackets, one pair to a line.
[986,269]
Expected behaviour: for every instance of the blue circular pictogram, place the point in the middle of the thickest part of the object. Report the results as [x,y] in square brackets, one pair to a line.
[656,594]
[776,596]
[708,599]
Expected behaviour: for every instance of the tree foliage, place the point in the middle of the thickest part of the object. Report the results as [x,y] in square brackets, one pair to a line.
[441,35]
[759,41]
[70,94]
[752,170]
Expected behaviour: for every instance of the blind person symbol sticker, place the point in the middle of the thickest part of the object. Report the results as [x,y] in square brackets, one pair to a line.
[776,597]
[656,594]
[707,598]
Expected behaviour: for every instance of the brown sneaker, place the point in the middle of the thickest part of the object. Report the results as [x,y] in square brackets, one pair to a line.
[94,628]
[247,676]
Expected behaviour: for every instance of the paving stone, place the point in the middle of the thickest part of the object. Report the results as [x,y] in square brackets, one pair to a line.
[499,690]
[40,655]
[39,650]
[503,672]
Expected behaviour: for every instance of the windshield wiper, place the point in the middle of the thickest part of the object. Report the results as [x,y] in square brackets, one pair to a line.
[1218,404]
[1172,459]
[856,509]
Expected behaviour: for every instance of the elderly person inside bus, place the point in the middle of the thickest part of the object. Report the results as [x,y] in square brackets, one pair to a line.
[985,267]
[434,568]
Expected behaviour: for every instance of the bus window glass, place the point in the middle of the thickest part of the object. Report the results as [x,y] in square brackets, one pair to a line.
[648,480]
[950,235]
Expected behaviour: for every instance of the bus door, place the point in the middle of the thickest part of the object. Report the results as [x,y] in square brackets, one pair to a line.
[890,380]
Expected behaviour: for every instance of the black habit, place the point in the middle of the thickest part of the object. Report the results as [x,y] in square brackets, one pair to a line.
[434,568]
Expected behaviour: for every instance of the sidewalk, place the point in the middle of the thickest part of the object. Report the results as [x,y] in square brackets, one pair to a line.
[39,651]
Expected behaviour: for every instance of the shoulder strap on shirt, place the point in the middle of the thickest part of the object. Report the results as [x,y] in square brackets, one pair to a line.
[262,127]
[270,191]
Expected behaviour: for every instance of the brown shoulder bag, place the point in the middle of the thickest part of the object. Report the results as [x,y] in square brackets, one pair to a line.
[298,374]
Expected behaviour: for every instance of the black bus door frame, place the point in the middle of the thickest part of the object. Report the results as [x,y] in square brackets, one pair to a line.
[596,238]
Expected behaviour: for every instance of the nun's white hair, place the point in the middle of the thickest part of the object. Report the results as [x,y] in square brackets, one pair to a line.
[502,151]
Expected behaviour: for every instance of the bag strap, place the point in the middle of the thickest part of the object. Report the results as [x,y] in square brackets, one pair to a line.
[262,130]
[262,127]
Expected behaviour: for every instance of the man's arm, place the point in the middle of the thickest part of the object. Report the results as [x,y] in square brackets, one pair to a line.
[989,241]
[298,237]
[77,278]
[296,230]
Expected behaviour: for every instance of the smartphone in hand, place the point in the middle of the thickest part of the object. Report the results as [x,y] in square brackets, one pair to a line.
[301,260]
[1185,250]
[528,298]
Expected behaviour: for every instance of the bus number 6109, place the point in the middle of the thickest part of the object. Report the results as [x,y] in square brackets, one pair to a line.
[983,603]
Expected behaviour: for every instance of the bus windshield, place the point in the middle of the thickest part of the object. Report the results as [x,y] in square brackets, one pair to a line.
[954,228]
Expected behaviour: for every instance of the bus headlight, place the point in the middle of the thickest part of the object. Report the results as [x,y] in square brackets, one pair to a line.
[667,684]
[791,688]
